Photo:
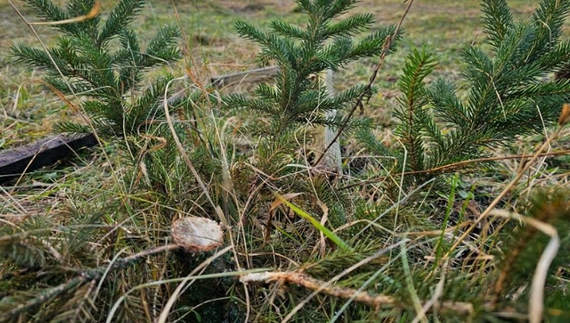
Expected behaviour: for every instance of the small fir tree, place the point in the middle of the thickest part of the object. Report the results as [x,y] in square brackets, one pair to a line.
[103,62]
[510,91]
[326,42]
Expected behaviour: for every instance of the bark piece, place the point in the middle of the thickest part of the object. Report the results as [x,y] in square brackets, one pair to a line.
[251,76]
[41,153]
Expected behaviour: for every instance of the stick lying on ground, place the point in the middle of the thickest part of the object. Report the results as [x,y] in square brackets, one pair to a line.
[15,162]
[250,76]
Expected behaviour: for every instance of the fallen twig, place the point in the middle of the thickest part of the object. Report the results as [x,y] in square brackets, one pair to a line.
[375,301]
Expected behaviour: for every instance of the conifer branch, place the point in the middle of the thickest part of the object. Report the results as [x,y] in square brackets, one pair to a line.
[85,277]
[544,211]
[92,14]
[42,298]
[498,19]
[413,119]
[121,16]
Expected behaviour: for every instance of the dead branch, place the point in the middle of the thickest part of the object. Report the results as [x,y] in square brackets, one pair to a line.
[374,301]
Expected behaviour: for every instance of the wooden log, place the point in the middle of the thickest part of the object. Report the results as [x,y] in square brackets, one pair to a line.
[15,162]
[250,76]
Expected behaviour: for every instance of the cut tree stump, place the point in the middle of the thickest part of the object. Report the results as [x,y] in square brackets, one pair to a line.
[24,159]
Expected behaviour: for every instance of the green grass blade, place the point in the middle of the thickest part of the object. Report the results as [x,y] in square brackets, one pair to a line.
[328,233]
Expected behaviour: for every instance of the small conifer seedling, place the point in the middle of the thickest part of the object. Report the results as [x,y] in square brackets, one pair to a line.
[103,63]
[510,91]
[326,42]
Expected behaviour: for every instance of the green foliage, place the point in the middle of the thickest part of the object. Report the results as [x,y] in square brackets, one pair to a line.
[280,112]
[509,92]
[78,268]
[103,63]
[100,65]
[411,110]
[327,42]
[520,256]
